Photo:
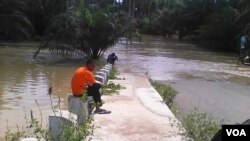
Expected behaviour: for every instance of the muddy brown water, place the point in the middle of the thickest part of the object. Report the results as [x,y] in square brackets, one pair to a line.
[171,59]
[210,81]
[24,80]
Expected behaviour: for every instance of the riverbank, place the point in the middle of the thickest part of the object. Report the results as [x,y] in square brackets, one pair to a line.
[138,113]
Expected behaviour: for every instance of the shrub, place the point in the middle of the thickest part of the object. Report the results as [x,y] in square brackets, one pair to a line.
[200,126]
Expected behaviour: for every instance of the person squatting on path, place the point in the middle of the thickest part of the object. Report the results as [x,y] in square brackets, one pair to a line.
[112,58]
[83,80]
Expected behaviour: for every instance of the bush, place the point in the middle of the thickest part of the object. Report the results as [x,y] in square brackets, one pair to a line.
[200,126]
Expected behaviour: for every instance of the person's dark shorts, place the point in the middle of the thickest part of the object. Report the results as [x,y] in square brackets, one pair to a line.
[94,91]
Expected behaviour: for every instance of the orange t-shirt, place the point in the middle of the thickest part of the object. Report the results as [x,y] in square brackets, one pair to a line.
[82,77]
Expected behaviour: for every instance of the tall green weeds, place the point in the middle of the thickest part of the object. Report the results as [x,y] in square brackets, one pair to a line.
[69,132]
[200,126]
[113,73]
[166,91]
[111,88]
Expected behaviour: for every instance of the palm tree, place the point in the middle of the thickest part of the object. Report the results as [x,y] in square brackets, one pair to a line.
[82,32]
[41,12]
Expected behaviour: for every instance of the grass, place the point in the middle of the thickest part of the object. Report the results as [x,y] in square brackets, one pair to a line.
[69,132]
[76,133]
[111,88]
[33,129]
[113,73]
[166,91]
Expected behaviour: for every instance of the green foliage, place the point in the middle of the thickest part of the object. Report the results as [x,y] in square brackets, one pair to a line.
[200,126]
[82,32]
[111,88]
[41,13]
[215,24]
[169,21]
[27,19]
[166,91]
[113,73]
[221,28]
[9,136]
[33,129]
[88,28]
[102,34]
[76,132]
[14,23]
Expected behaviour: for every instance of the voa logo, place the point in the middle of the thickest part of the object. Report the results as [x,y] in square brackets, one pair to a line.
[236,132]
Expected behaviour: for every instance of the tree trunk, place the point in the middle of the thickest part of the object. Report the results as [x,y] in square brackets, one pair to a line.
[133,10]
[129,8]
[95,54]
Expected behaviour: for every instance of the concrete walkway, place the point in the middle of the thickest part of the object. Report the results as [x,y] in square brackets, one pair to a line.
[138,113]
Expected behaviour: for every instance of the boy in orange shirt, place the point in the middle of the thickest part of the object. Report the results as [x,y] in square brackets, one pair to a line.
[82,80]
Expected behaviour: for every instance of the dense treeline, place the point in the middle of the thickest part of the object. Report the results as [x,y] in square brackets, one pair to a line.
[213,23]
[27,19]
[89,27]
[63,26]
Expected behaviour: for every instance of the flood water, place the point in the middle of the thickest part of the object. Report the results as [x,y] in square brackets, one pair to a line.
[171,59]
[24,80]
[210,82]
